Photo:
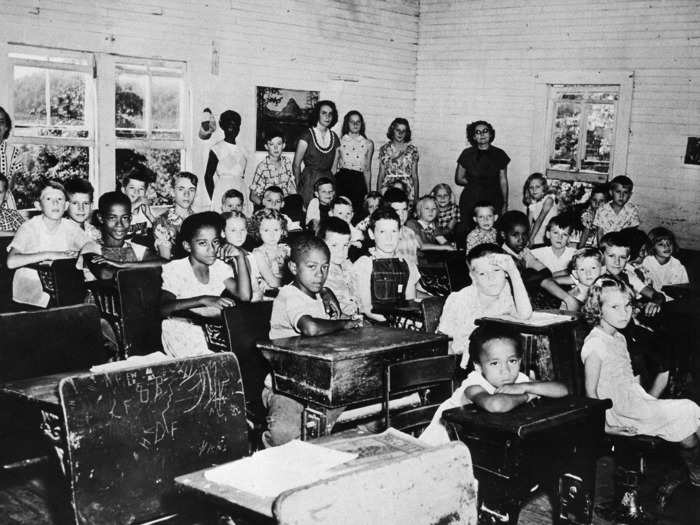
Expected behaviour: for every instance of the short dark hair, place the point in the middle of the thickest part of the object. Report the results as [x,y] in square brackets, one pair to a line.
[383,213]
[270,132]
[303,244]
[195,222]
[323,180]
[185,175]
[346,123]
[234,214]
[79,185]
[615,240]
[481,250]
[397,122]
[233,193]
[623,181]
[335,225]
[109,199]
[601,188]
[316,113]
[373,195]
[484,204]
[395,195]
[274,189]
[471,130]
[485,333]
[8,120]
[510,219]
[139,172]
[341,200]
[230,116]
[563,220]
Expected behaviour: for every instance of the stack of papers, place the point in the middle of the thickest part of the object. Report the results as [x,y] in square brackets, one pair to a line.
[537,318]
[131,362]
[269,472]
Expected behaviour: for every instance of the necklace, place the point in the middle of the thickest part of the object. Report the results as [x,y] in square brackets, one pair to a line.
[318,146]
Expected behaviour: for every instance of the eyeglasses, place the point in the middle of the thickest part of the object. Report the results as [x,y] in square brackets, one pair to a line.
[482,132]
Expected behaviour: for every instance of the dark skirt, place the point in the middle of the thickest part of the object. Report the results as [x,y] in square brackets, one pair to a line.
[351,184]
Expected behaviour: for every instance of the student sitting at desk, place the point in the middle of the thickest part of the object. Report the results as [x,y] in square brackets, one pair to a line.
[496,383]
[489,295]
[303,307]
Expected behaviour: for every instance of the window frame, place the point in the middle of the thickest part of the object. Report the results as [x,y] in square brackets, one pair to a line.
[548,84]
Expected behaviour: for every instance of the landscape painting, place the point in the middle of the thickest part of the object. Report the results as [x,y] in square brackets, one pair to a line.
[287,109]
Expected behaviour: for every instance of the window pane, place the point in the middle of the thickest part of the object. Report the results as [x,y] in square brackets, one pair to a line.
[130,97]
[163,162]
[600,130]
[67,89]
[165,107]
[29,95]
[41,162]
[565,135]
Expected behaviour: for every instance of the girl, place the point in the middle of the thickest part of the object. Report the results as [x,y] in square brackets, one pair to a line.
[448,211]
[589,233]
[662,266]
[195,283]
[317,149]
[231,252]
[355,161]
[398,159]
[227,164]
[269,258]
[425,225]
[609,375]
[541,206]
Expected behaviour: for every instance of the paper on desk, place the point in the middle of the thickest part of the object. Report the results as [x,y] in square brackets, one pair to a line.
[537,318]
[130,362]
[269,472]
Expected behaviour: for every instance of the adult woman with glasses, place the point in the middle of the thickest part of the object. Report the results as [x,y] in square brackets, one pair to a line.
[398,159]
[483,171]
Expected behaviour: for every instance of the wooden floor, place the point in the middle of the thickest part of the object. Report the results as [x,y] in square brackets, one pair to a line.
[24,498]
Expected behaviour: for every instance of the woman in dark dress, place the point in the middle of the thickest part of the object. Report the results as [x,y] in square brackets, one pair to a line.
[317,149]
[483,171]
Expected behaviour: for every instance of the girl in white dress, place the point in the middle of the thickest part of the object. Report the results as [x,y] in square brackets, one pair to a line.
[541,206]
[196,283]
[609,376]
[227,163]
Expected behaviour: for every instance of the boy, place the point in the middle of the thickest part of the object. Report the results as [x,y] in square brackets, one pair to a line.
[232,200]
[341,208]
[489,294]
[80,194]
[10,219]
[485,217]
[46,237]
[496,383]
[273,199]
[335,232]
[167,226]
[617,214]
[558,254]
[274,170]
[324,192]
[383,277]
[135,185]
[409,242]
[303,307]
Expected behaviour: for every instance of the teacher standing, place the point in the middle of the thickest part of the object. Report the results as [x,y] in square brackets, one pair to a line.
[398,160]
[317,149]
[10,161]
[483,171]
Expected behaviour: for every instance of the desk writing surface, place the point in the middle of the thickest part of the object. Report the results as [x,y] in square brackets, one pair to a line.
[42,390]
[528,418]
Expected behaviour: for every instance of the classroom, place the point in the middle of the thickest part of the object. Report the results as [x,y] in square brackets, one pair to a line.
[363,261]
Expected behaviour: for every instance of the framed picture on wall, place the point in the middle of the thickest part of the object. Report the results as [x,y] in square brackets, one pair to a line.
[287,109]
[692,151]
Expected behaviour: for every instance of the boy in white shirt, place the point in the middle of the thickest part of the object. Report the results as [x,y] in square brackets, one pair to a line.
[557,255]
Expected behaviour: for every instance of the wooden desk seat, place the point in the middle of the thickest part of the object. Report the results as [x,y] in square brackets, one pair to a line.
[130,432]
[62,281]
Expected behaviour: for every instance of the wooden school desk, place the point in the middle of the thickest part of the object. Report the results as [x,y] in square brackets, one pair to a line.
[407,315]
[342,369]
[394,479]
[553,442]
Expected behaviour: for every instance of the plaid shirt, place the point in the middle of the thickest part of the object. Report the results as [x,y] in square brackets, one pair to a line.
[478,236]
[446,214]
[267,174]
[10,220]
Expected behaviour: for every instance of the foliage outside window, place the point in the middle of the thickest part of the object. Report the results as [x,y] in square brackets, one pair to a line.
[52,106]
[148,120]
[582,132]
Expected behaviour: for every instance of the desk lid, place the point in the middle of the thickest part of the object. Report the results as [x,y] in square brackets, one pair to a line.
[350,344]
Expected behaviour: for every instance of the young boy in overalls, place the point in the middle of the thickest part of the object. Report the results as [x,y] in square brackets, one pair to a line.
[383,277]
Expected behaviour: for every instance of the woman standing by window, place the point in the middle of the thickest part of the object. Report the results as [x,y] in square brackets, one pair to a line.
[10,162]
[483,171]
[398,159]
[317,149]
[355,174]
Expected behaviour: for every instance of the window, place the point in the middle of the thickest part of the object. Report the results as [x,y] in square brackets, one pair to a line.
[52,109]
[582,132]
[93,115]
